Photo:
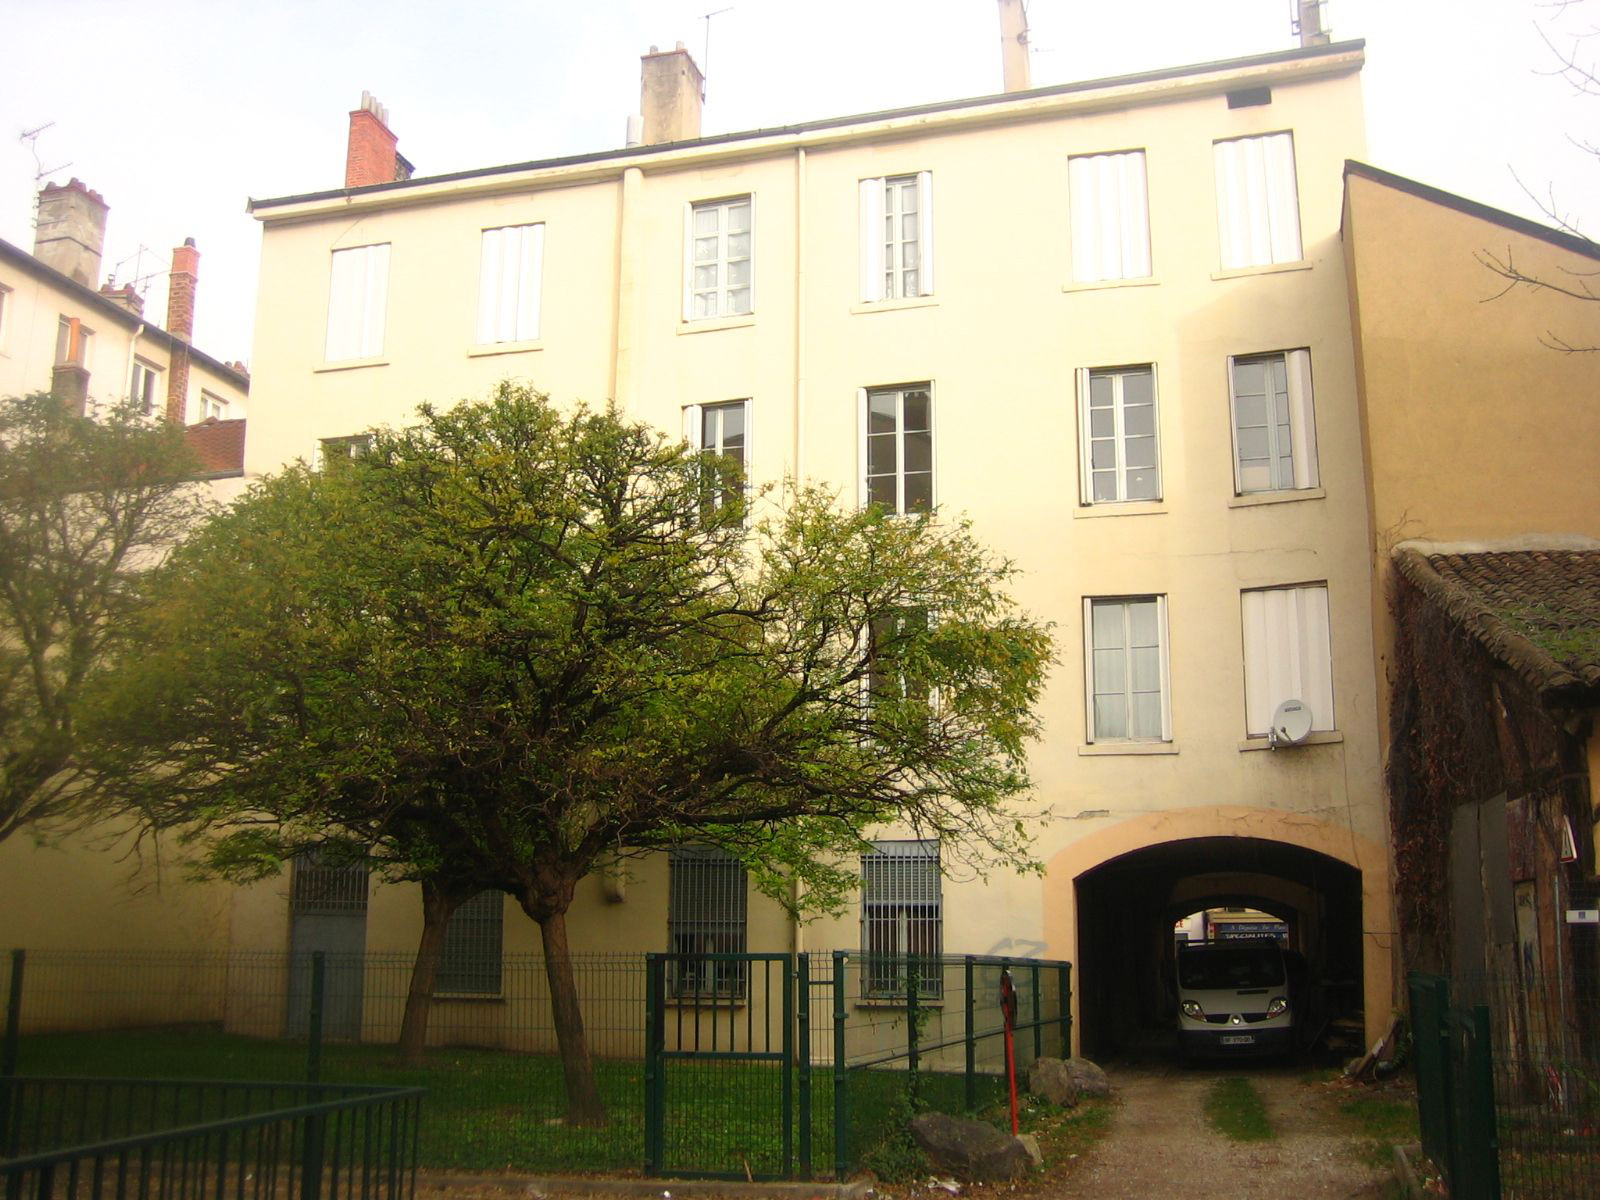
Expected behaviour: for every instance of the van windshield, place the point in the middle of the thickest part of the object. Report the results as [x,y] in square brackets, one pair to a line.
[1214,967]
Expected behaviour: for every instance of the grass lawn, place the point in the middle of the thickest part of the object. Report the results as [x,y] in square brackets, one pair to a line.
[1235,1110]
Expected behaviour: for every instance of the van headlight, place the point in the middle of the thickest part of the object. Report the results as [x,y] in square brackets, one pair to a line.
[1278,1007]
[1192,1010]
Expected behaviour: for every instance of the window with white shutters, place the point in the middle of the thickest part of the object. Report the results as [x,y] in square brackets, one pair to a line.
[902,921]
[1288,654]
[1110,216]
[358,295]
[1118,435]
[474,943]
[511,266]
[1125,644]
[897,237]
[706,910]
[1274,422]
[719,274]
[1258,206]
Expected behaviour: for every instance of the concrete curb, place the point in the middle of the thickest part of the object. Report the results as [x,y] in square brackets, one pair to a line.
[1405,1171]
[677,1189]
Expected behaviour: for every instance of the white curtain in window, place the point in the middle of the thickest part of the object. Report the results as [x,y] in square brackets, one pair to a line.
[511,264]
[1258,209]
[1287,654]
[357,301]
[871,234]
[1110,216]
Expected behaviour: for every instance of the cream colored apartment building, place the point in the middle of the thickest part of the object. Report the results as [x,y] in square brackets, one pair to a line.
[1107,321]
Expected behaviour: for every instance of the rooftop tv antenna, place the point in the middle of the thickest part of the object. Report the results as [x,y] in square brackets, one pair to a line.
[705,58]
[30,139]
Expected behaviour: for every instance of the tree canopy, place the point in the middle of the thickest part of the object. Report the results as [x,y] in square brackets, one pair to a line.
[503,646]
[85,505]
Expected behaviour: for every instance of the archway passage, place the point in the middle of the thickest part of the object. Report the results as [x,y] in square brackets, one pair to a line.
[1126,907]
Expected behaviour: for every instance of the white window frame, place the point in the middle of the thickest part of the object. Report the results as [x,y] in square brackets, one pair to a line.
[212,405]
[1288,654]
[1086,438]
[1089,605]
[1258,202]
[724,289]
[1300,443]
[472,959]
[63,355]
[510,281]
[348,446]
[358,301]
[5,316]
[145,377]
[694,431]
[863,403]
[882,975]
[875,210]
[1109,206]
[699,880]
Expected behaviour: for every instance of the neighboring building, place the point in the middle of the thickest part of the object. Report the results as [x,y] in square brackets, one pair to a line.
[1479,435]
[1144,393]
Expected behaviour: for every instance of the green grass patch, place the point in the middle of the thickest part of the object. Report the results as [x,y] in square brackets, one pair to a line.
[1234,1108]
[1383,1122]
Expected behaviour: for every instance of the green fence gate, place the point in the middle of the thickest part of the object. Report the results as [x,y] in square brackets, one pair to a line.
[1455,1089]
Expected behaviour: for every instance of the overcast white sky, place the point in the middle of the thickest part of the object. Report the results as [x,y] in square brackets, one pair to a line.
[177,111]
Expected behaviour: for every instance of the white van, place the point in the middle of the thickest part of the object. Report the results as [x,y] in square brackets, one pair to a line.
[1233,999]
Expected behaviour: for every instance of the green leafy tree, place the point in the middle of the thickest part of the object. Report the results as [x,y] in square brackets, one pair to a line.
[85,505]
[501,648]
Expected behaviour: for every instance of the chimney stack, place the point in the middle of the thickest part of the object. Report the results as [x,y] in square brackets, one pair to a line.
[181,284]
[370,156]
[1014,66]
[126,296]
[1309,24]
[71,233]
[670,91]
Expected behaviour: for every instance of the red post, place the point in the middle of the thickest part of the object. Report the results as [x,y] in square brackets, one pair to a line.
[1008,1009]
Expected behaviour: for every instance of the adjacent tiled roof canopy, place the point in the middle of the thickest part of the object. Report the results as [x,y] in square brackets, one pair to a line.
[1537,611]
[219,445]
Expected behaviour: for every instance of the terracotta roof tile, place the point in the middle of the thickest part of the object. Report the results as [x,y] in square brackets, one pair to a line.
[1538,611]
[219,445]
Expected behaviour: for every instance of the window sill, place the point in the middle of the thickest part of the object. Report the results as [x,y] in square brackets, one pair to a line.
[1261,269]
[896,1002]
[350,364]
[1120,508]
[706,1001]
[1098,285]
[494,348]
[1098,749]
[1331,737]
[1255,499]
[470,997]
[713,324]
[877,306]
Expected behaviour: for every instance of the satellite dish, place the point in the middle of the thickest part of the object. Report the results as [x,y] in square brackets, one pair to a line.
[1291,724]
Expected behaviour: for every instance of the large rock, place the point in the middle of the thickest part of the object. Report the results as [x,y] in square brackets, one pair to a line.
[1050,1079]
[969,1149]
[1088,1078]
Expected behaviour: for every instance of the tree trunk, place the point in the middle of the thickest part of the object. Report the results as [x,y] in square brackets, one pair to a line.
[437,906]
[583,1096]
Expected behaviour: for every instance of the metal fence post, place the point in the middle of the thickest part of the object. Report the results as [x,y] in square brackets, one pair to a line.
[1065,971]
[841,1079]
[1480,1144]
[654,1040]
[1038,1016]
[803,1008]
[913,986]
[787,969]
[8,1050]
[319,975]
[972,1043]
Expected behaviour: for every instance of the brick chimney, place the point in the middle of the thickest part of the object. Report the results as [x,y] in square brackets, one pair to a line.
[181,284]
[71,233]
[371,156]
[1014,66]
[669,96]
[126,296]
[1308,23]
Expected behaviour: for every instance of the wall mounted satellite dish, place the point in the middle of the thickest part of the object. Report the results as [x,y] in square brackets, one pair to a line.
[1291,724]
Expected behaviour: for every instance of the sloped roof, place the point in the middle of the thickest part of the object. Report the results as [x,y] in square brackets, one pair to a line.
[1537,611]
[219,445]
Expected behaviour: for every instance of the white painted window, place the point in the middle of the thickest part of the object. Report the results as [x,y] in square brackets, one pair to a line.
[1110,216]
[5,315]
[707,911]
[144,387]
[1119,435]
[721,432]
[897,237]
[1274,422]
[335,450]
[72,342]
[1125,645]
[358,296]
[889,676]
[213,406]
[511,267]
[719,253]
[1258,206]
[902,918]
[1288,654]
[896,447]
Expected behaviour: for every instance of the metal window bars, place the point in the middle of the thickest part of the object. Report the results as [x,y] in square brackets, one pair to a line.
[902,921]
[708,902]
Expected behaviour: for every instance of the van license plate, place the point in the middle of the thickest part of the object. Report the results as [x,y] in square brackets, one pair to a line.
[1243,1039]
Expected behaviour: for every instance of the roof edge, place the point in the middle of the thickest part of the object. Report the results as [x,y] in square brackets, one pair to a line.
[1576,243]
